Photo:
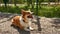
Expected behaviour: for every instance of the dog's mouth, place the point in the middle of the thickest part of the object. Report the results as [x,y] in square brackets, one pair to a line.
[30,16]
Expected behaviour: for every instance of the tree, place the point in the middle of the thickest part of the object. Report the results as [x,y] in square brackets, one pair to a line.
[15,2]
[38,22]
[1,1]
[40,1]
[5,2]
[58,1]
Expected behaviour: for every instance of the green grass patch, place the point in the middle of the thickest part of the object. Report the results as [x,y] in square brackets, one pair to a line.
[47,11]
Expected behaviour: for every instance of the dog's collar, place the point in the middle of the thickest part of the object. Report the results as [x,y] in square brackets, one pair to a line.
[22,19]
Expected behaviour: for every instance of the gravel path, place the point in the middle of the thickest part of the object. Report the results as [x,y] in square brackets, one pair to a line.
[48,26]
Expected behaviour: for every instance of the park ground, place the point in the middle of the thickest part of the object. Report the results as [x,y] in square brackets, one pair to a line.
[48,25]
[48,12]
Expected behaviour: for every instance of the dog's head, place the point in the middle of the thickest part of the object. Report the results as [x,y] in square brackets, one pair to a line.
[27,13]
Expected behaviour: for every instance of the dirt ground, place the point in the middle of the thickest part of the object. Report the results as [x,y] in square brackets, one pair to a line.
[47,25]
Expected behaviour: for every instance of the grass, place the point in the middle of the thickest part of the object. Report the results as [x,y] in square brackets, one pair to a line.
[47,11]
[50,11]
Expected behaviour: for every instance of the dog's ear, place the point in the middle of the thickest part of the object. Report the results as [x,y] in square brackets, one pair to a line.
[22,11]
[30,11]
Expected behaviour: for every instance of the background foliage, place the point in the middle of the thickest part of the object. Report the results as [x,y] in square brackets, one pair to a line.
[46,10]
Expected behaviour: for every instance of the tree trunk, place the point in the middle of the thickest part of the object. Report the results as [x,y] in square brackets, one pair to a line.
[5,5]
[38,22]
[49,3]
[15,2]
[39,4]
[32,6]
[28,4]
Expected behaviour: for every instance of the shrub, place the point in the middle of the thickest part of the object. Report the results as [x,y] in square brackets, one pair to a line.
[10,9]
[47,11]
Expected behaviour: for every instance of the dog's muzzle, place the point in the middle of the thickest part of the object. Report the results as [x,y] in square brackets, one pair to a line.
[30,16]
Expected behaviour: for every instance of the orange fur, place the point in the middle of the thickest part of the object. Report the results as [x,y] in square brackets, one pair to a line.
[16,22]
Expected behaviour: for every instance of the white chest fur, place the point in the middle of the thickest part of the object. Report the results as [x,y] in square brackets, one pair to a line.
[23,23]
[26,24]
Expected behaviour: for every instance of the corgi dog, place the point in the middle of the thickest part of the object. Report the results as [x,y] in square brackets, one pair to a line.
[24,21]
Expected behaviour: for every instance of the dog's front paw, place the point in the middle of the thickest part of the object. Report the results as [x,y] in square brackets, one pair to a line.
[31,28]
[26,29]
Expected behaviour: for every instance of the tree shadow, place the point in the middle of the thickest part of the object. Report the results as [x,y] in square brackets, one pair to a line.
[9,16]
[37,22]
[56,23]
[21,31]
[4,15]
